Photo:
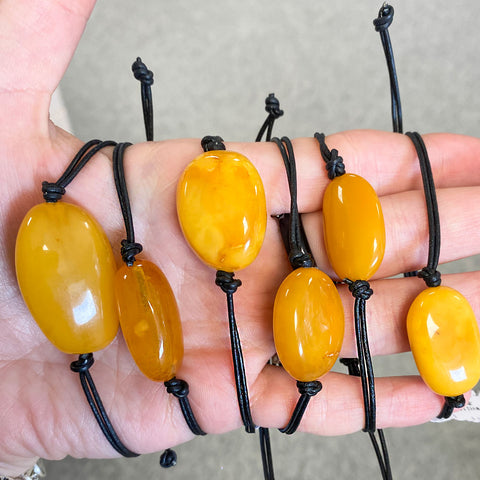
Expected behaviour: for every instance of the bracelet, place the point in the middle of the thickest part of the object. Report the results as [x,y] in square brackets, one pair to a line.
[34,473]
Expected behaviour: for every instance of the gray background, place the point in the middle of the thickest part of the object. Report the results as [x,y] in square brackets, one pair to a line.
[214,63]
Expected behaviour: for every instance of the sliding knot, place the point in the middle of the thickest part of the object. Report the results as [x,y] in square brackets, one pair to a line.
[52,192]
[272,106]
[309,389]
[455,402]
[431,277]
[84,362]
[360,289]
[384,19]
[168,458]
[300,259]
[210,143]
[142,73]
[353,366]
[129,250]
[226,281]
[177,387]
[334,165]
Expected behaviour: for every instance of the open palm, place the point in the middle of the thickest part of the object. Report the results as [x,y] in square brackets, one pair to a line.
[44,412]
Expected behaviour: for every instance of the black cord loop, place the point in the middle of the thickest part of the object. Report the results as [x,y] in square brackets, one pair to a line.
[82,366]
[211,143]
[145,76]
[333,162]
[381,23]
[451,403]
[168,458]
[272,106]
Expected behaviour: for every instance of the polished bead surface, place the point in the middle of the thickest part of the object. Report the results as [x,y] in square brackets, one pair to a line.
[222,210]
[354,229]
[65,270]
[308,324]
[149,319]
[445,340]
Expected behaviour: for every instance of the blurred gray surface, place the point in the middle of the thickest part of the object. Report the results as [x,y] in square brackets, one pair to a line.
[214,63]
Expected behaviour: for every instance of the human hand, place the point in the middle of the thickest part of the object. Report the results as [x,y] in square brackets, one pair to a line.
[44,412]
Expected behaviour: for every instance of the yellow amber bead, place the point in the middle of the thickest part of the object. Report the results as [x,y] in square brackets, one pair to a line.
[445,340]
[149,319]
[65,270]
[222,210]
[354,229]
[308,324]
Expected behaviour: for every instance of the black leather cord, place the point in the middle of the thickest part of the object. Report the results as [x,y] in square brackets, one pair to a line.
[430,274]
[272,106]
[145,76]
[382,22]
[266,451]
[82,366]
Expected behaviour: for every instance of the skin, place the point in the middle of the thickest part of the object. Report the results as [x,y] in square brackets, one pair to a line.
[44,412]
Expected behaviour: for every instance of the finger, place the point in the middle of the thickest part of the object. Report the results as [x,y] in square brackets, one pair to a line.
[387,160]
[37,41]
[338,408]
[406,226]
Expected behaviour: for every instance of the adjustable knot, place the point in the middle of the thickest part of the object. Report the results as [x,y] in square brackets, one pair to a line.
[384,19]
[353,366]
[52,192]
[84,362]
[226,281]
[168,458]
[455,402]
[300,259]
[309,389]
[431,277]
[334,165]
[360,289]
[210,143]
[142,73]
[272,106]
[177,387]
[129,250]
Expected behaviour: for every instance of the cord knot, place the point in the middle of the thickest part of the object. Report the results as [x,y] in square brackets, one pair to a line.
[300,259]
[360,289]
[384,19]
[431,277]
[226,281]
[353,366]
[129,250]
[334,165]
[177,387]
[309,389]
[210,143]
[168,458]
[141,72]
[272,106]
[52,192]
[455,402]
[84,362]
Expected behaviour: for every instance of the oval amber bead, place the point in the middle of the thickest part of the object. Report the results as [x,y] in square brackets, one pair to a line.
[354,229]
[445,340]
[222,210]
[149,319]
[308,324]
[65,270]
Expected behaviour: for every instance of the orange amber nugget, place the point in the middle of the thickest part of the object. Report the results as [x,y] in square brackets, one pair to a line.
[149,319]
[65,270]
[354,229]
[222,210]
[445,340]
[308,324]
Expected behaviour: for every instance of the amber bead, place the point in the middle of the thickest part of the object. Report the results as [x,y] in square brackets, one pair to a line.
[308,324]
[149,319]
[222,210]
[354,229]
[445,340]
[65,270]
